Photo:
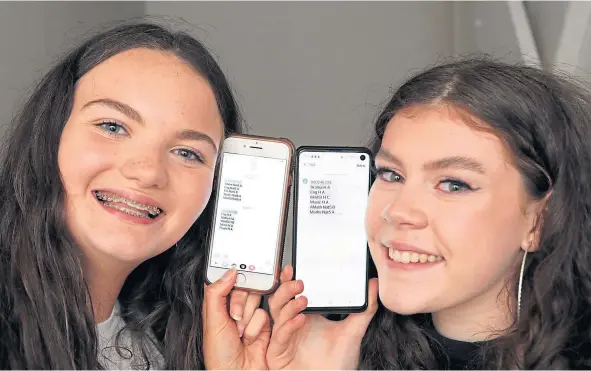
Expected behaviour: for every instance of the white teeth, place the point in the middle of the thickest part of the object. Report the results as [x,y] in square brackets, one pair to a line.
[406,257]
[109,197]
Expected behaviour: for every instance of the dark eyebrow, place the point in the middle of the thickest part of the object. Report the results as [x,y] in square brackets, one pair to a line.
[383,153]
[198,136]
[119,106]
[456,162]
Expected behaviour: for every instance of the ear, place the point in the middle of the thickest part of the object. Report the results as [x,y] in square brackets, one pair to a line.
[534,213]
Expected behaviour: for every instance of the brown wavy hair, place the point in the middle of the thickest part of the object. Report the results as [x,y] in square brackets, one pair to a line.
[545,121]
[46,318]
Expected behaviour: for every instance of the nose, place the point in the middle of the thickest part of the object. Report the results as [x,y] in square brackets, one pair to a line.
[404,210]
[146,167]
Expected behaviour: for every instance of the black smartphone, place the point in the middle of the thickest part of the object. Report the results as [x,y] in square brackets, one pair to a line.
[330,252]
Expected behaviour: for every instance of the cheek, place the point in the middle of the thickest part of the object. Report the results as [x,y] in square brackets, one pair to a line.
[375,205]
[470,223]
[81,158]
[374,223]
[192,200]
[480,240]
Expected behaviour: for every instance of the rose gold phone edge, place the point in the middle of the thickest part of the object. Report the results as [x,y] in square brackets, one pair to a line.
[283,217]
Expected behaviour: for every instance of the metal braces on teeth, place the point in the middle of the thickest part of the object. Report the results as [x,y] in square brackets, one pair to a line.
[108,198]
[129,211]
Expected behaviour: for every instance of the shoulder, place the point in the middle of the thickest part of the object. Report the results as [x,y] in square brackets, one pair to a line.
[121,348]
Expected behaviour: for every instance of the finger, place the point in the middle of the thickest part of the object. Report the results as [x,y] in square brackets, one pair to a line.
[357,323]
[215,312]
[282,336]
[259,321]
[291,310]
[283,295]
[285,276]
[237,302]
[286,273]
[253,301]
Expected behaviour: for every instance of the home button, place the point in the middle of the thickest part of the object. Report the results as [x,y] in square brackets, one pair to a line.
[241,278]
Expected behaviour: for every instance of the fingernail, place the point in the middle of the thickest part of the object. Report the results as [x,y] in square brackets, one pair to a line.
[228,275]
[234,315]
[240,330]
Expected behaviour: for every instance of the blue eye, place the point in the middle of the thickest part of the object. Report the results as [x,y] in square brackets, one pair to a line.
[454,186]
[388,175]
[112,128]
[188,155]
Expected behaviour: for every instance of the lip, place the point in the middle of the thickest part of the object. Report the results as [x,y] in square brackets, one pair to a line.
[401,246]
[132,195]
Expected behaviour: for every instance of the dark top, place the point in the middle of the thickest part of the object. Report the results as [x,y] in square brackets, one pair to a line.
[454,354]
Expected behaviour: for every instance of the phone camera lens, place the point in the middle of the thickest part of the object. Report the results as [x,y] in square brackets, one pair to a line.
[362,157]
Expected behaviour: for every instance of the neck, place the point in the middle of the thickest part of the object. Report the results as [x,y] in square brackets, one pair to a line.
[482,318]
[105,278]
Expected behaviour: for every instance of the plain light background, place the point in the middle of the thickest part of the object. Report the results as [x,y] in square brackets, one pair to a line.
[314,72]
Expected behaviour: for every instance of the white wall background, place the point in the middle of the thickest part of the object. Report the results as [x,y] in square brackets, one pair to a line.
[314,72]
[34,34]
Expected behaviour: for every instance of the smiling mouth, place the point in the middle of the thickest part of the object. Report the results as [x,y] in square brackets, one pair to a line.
[407,257]
[128,206]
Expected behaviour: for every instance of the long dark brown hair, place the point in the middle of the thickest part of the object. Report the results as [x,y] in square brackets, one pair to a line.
[46,318]
[545,121]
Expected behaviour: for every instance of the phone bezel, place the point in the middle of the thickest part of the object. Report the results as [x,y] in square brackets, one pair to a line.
[279,148]
[334,149]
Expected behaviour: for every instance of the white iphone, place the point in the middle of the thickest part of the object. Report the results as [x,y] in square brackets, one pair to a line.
[254,181]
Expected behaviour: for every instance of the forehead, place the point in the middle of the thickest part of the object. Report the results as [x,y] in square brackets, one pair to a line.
[160,86]
[427,133]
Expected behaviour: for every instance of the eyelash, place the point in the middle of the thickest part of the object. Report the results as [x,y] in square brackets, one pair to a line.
[193,155]
[461,186]
[104,127]
[196,157]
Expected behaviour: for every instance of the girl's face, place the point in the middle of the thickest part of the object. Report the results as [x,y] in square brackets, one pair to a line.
[448,214]
[137,155]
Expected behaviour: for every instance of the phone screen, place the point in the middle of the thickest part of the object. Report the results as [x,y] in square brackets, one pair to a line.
[331,243]
[248,213]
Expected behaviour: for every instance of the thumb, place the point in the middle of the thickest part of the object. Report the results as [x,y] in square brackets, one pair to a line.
[214,303]
[357,323]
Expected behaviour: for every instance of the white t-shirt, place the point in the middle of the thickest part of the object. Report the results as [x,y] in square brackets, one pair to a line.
[109,357]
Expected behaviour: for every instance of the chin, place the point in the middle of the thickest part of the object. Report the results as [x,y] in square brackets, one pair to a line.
[403,301]
[399,307]
[126,250]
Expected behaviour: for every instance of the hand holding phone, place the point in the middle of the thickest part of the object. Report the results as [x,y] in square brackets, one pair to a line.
[224,346]
[311,341]
[251,211]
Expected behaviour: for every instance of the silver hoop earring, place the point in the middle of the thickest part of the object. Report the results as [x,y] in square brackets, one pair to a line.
[520,284]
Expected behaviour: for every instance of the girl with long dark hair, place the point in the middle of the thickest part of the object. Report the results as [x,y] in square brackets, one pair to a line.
[105,181]
[479,225]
